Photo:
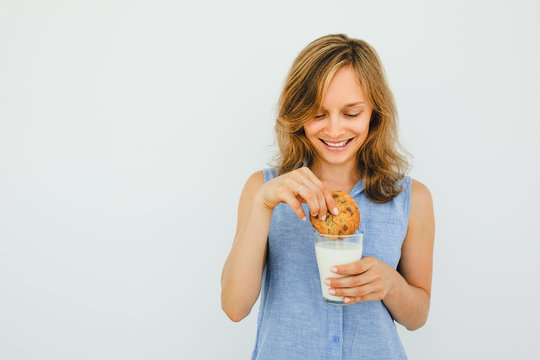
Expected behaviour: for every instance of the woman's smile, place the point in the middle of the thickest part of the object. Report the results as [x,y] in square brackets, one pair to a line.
[336,145]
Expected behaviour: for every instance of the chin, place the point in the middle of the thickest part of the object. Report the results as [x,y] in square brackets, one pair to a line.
[335,160]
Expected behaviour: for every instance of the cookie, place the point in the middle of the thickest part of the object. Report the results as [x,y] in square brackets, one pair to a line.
[346,222]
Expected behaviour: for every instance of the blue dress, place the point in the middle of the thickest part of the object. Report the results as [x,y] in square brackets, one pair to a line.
[293,321]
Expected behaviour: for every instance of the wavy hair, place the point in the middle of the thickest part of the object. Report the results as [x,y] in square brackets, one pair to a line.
[380,163]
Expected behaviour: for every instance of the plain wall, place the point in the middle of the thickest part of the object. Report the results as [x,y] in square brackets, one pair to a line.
[128,128]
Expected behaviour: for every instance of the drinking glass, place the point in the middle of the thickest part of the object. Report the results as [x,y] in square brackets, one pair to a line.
[332,250]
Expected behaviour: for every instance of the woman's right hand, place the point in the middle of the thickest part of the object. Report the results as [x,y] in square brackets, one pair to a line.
[296,187]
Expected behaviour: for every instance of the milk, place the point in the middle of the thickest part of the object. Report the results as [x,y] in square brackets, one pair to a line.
[331,253]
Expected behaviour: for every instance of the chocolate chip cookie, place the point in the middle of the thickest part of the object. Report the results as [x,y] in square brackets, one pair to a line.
[345,223]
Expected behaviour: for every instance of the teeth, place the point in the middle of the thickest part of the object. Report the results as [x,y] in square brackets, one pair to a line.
[335,144]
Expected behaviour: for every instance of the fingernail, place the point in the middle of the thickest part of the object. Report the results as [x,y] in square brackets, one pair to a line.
[323,217]
[335,211]
[332,291]
[333,269]
[327,282]
[347,300]
[304,218]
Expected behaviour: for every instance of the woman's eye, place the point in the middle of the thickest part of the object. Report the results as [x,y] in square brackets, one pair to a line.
[348,115]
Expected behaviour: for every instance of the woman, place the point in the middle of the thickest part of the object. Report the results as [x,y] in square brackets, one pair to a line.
[336,130]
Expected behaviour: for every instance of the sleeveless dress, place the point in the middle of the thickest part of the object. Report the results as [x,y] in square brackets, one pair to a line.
[293,321]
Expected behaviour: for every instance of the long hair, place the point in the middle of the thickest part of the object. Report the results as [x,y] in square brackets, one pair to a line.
[379,162]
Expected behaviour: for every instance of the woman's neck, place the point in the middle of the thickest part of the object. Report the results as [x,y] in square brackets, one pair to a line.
[337,177]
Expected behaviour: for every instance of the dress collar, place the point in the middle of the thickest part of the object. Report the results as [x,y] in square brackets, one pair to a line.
[357,188]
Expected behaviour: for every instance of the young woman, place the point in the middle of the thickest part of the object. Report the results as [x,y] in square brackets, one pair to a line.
[336,130]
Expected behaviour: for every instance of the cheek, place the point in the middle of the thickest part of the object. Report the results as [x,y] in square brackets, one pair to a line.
[362,129]
[362,126]
[311,128]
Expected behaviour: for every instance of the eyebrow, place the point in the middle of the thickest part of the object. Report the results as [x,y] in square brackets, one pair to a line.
[350,104]
[354,103]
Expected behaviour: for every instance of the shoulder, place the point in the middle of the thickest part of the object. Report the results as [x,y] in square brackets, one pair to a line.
[257,179]
[421,206]
[254,181]
[420,195]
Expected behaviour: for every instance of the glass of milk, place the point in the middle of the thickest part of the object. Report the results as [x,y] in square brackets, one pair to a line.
[334,250]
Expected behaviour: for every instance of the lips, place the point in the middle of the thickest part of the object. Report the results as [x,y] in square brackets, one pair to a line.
[336,144]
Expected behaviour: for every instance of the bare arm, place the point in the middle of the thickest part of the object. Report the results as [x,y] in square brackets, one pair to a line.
[409,298]
[242,272]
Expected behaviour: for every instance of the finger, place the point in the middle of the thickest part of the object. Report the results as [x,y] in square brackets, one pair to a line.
[293,202]
[350,281]
[318,188]
[307,194]
[322,201]
[310,198]
[330,203]
[354,268]
[369,297]
[287,192]
[307,181]
[359,291]
[320,210]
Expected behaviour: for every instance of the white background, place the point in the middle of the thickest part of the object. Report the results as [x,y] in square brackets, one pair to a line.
[128,128]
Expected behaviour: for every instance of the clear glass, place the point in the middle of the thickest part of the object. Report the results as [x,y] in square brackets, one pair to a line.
[334,250]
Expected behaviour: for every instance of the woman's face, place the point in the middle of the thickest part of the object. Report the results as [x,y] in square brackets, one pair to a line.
[342,124]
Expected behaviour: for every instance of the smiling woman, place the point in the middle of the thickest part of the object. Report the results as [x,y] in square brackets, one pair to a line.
[336,130]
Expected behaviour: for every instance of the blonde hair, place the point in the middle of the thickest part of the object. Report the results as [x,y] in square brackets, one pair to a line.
[380,164]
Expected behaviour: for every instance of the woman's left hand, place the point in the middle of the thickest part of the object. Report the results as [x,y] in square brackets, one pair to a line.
[368,279]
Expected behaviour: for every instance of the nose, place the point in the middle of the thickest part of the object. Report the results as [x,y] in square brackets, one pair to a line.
[334,127]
